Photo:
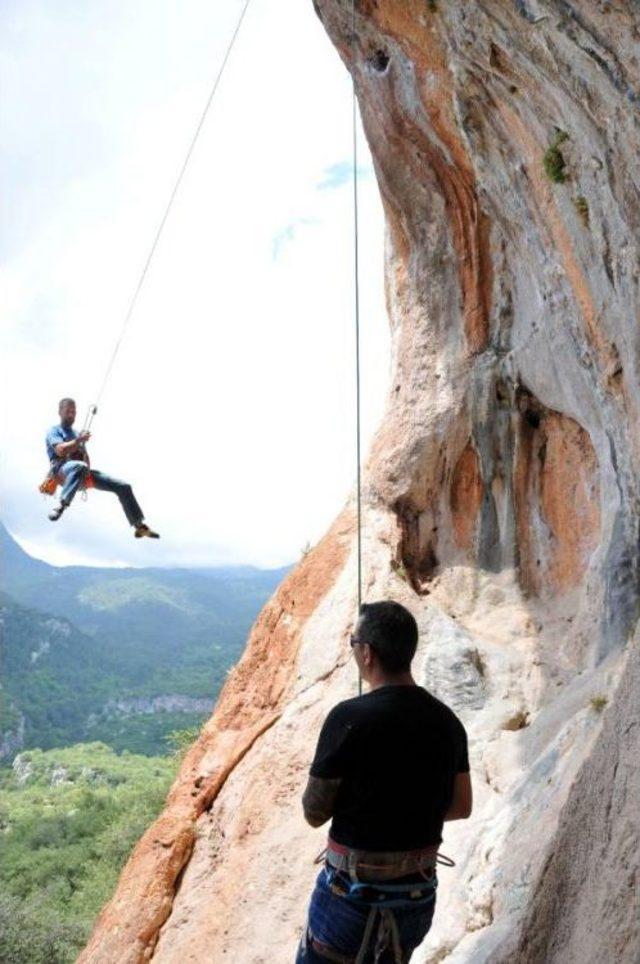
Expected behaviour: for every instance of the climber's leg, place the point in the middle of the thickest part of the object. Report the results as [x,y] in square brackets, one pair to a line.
[73,473]
[124,492]
[333,922]
[306,953]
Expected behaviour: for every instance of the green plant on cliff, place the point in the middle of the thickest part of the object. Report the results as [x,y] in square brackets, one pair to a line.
[598,703]
[68,821]
[400,570]
[553,160]
[582,207]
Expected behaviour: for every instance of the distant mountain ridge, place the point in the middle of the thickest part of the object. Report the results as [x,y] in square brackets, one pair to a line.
[81,641]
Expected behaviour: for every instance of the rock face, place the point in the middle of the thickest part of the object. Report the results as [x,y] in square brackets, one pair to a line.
[586,902]
[501,501]
[12,740]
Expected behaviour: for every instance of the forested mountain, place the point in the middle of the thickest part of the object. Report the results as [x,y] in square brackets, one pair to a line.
[150,604]
[119,655]
[53,676]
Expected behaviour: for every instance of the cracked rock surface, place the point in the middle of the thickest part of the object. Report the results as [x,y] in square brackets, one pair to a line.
[501,505]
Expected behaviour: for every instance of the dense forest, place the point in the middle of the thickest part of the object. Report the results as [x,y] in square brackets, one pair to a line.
[68,820]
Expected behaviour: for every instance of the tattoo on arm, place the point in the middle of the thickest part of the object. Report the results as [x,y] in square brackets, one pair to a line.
[319,800]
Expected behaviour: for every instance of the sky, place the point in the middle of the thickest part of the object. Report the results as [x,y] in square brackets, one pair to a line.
[231,405]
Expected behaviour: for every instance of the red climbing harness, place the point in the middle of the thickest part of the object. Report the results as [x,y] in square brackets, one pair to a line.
[52,480]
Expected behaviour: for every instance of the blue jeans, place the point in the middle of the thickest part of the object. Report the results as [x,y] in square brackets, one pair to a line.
[339,922]
[74,472]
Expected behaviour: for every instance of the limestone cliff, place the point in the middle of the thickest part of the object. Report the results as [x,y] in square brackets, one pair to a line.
[500,504]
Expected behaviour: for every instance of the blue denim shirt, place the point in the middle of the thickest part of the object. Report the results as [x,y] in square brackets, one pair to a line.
[55,435]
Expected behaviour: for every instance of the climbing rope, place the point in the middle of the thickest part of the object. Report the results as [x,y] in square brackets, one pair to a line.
[356,286]
[167,210]
[93,409]
[356,263]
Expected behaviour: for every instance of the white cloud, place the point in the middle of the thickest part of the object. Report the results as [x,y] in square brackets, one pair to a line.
[231,405]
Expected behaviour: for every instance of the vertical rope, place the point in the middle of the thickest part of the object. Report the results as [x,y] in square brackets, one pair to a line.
[169,204]
[356,267]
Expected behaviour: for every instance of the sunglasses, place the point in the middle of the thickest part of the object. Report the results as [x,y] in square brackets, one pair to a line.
[357,642]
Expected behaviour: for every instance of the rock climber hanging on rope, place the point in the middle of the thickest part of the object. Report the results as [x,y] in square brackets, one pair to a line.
[65,447]
[70,468]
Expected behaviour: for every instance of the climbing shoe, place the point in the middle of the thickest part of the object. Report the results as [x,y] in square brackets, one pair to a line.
[144,530]
[57,511]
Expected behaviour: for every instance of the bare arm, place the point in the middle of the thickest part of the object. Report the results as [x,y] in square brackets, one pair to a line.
[318,800]
[64,449]
[462,799]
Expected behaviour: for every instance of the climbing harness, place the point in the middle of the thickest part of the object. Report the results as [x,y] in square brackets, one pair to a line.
[375,880]
[360,864]
[382,898]
[52,480]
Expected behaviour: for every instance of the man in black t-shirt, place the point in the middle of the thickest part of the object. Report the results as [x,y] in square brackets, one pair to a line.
[390,767]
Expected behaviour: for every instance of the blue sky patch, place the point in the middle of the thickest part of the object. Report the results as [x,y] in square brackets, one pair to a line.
[287,234]
[340,173]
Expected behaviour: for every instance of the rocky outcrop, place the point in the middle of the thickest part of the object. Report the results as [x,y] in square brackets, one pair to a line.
[12,739]
[22,769]
[501,501]
[141,705]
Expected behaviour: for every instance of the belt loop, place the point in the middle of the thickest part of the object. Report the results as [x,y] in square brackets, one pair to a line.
[352,865]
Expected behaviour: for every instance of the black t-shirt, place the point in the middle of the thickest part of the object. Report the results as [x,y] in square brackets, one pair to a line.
[396,751]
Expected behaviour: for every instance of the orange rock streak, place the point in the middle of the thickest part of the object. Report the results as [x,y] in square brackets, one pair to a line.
[444,153]
[466,498]
[557,503]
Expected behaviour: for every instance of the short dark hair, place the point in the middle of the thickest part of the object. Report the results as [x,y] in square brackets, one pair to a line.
[391,631]
[65,401]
